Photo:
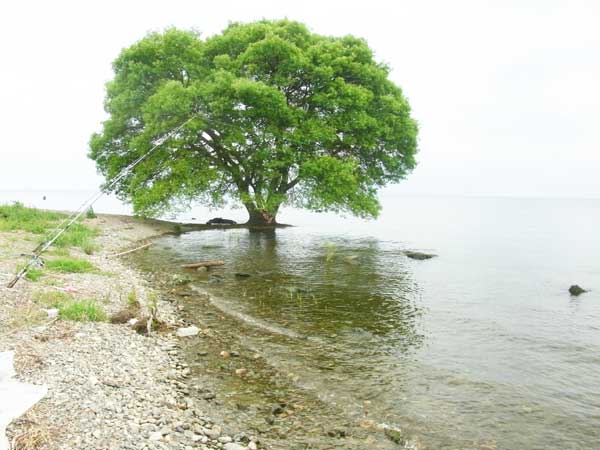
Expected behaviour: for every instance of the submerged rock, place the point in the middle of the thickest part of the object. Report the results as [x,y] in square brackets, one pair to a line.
[419,255]
[242,275]
[394,435]
[576,290]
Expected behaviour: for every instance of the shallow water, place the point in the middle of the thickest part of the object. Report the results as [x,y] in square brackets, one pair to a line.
[481,347]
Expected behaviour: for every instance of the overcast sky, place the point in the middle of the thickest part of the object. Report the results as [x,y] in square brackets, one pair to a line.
[506,93]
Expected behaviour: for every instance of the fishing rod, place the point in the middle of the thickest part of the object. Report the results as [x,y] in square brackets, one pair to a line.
[74,217]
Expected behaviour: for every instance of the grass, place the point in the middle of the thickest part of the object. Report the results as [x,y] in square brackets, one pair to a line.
[70,265]
[82,311]
[18,217]
[78,235]
[34,274]
[69,309]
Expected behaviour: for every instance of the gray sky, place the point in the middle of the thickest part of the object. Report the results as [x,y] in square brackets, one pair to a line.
[506,93]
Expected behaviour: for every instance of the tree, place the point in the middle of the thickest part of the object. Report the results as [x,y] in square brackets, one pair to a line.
[278,115]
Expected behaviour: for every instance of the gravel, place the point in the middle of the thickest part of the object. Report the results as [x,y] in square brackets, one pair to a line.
[109,387]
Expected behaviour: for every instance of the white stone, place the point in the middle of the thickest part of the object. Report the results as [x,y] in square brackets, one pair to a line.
[52,313]
[233,446]
[155,436]
[189,331]
[16,397]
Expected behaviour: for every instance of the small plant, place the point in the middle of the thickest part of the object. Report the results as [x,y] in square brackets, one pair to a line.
[132,299]
[90,214]
[82,311]
[129,311]
[89,248]
[70,265]
[177,228]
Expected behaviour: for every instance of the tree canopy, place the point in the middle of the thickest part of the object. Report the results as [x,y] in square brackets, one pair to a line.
[278,115]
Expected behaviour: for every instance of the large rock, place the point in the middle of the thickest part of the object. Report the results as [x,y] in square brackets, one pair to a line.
[576,290]
[220,221]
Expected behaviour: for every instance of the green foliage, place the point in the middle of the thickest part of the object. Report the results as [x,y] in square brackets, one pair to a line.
[82,311]
[70,265]
[280,115]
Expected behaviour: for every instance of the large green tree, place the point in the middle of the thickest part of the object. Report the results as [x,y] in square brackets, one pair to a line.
[278,115]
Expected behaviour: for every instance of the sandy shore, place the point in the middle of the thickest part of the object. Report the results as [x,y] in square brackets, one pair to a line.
[109,387]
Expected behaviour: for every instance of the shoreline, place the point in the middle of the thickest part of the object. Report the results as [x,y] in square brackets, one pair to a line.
[108,386]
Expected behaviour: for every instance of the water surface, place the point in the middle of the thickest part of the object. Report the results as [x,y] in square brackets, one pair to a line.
[481,347]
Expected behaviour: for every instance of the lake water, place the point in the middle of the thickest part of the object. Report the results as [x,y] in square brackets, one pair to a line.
[480,347]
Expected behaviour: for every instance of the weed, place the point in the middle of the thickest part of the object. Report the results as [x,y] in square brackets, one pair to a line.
[34,274]
[70,265]
[90,214]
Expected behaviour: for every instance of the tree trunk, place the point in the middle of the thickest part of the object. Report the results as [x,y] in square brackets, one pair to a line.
[260,217]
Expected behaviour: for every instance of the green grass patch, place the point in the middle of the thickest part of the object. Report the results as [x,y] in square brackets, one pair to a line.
[78,235]
[52,299]
[34,274]
[70,265]
[18,217]
[82,311]
[70,309]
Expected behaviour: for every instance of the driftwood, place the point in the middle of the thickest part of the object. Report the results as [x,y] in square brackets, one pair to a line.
[131,251]
[203,264]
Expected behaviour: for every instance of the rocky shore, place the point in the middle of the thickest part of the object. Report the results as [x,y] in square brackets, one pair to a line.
[109,387]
